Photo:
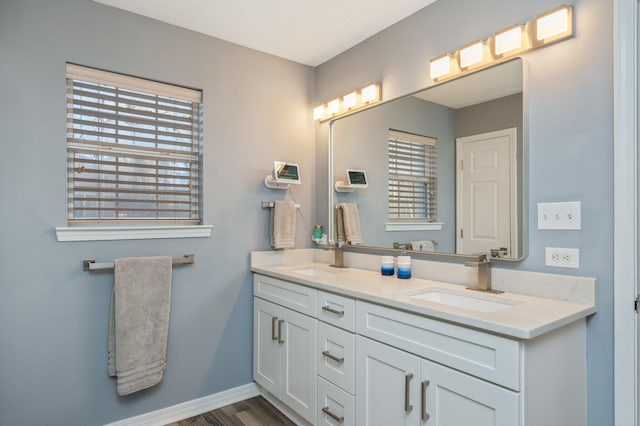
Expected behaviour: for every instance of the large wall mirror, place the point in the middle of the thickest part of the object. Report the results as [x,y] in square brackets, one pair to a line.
[446,166]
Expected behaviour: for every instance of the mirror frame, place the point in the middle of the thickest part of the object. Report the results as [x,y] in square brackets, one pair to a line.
[441,255]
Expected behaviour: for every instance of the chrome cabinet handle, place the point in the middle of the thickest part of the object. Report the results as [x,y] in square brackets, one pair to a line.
[425,415]
[333,357]
[280,339]
[333,311]
[273,328]
[338,419]
[407,379]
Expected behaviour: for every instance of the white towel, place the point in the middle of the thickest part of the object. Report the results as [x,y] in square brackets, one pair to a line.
[282,234]
[424,245]
[139,322]
[351,222]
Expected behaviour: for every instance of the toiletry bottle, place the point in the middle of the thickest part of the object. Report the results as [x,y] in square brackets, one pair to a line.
[386,265]
[404,267]
[317,232]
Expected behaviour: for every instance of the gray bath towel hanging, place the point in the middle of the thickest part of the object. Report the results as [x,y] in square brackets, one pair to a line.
[139,322]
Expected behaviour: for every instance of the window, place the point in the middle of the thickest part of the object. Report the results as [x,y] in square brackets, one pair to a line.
[134,149]
[413,178]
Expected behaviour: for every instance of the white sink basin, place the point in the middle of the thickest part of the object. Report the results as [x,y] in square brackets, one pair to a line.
[464,302]
[313,272]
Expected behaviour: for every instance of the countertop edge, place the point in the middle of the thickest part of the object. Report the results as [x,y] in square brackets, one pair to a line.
[575,312]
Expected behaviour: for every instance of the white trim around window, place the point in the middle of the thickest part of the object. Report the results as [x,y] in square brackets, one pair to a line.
[106,233]
[412,226]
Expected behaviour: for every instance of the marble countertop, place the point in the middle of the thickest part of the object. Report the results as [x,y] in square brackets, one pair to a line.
[519,315]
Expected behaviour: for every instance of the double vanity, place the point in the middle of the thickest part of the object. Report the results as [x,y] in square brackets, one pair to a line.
[352,347]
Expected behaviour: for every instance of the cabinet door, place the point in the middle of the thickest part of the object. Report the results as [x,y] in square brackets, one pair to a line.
[266,349]
[299,365]
[387,385]
[454,399]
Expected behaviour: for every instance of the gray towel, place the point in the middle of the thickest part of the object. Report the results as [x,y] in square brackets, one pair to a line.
[340,226]
[139,322]
[351,222]
[282,234]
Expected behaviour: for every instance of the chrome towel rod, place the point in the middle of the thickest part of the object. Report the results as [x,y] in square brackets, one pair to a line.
[271,204]
[92,265]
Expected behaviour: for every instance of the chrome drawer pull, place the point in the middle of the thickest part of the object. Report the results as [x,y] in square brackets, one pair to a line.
[338,419]
[407,378]
[333,311]
[280,339]
[273,328]
[425,415]
[333,357]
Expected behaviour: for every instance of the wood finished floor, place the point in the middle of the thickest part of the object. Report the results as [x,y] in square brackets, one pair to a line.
[251,412]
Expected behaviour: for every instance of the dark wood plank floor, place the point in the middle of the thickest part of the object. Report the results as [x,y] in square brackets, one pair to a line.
[251,412]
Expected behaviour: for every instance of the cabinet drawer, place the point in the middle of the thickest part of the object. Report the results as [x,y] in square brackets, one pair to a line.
[293,296]
[336,356]
[337,310]
[490,357]
[335,406]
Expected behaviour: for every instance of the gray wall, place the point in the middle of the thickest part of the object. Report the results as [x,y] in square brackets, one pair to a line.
[570,132]
[53,316]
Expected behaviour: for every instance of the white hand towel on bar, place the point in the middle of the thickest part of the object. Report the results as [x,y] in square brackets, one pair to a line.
[424,245]
[282,234]
[139,322]
[351,222]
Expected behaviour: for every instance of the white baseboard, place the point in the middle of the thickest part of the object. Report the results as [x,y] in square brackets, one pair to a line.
[191,408]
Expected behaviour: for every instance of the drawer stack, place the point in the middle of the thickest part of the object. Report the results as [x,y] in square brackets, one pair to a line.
[336,359]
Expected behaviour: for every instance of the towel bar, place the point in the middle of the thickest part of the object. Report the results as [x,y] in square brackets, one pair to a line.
[92,265]
[271,204]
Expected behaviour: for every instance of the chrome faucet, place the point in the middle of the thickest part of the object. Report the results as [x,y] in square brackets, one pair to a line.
[483,266]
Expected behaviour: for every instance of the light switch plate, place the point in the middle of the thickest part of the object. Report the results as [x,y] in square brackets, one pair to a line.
[559,216]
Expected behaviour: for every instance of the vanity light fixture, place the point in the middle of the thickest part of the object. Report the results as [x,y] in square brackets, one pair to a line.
[509,41]
[350,102]
[333,106]
[550,27]
[441,66]
[371,93]
[318,112]
[473,55]
[554,25]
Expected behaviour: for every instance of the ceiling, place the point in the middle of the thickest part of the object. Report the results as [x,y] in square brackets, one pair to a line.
[304,31]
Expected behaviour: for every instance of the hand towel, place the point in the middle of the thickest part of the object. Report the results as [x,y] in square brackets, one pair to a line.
[424,245]
[139,322]
[340,226]
[351,222]
[282,234]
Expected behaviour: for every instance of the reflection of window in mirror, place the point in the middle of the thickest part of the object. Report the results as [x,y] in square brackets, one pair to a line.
[413,177]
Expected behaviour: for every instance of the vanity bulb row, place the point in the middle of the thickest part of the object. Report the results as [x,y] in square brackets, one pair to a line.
[350,102]
[550,27]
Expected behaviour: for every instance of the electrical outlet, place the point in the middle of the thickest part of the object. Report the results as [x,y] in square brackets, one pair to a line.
[562,257]
[559,216]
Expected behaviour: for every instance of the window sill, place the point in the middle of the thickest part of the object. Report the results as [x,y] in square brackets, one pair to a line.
[106,233]
[412,226]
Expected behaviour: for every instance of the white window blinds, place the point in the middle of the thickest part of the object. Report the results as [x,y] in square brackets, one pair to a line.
[413,177]
[133,149]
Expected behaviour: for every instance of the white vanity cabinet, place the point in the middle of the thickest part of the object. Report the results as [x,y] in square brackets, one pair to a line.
[398,388]
[414,370]
[284,343]
[337,361]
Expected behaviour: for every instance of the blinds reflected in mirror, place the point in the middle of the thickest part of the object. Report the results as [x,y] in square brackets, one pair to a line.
[413,177]
[133,148]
